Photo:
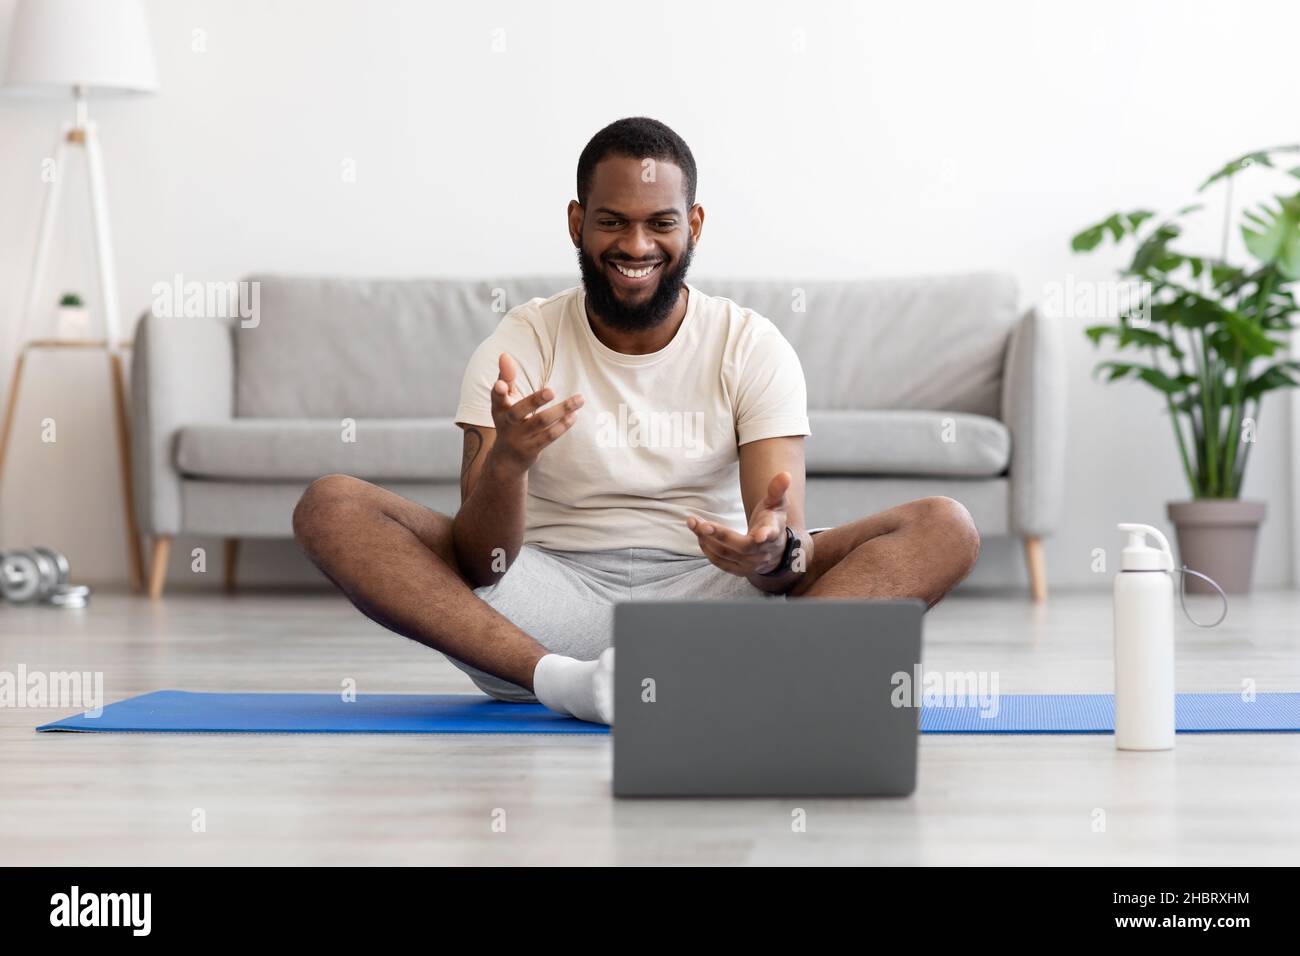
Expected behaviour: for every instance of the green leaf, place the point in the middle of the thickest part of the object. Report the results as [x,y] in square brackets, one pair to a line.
[1158,379]
[1225,276]
[1096,333]
[1195,312]
[1088,239]
[1231,168]
[1275,376]
[1117,224]
[1260,157]
[1256,218]
[1152,376]
[1248,335]
[1276,238]
[1117,370]
[1148,338]
[1137,217]
[1153,247]
[1223,343]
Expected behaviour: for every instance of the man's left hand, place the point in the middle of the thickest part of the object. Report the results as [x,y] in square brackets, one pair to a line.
[761,549]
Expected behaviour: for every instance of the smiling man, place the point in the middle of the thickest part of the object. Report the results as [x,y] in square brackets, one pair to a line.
[632,438]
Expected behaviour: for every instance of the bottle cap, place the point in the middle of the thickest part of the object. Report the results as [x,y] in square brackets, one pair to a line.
[1140,556]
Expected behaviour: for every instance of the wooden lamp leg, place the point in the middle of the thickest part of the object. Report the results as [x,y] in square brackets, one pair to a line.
[1037,568]
[135,563]
[9,412]
[162,549]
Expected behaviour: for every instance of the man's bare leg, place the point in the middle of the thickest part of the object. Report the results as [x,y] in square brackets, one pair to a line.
[922,548]
[395,561]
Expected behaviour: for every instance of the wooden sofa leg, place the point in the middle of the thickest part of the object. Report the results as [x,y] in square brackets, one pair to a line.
[162,549]
[1037,568]
[231,558]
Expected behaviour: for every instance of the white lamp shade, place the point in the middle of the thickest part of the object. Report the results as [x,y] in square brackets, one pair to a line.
[102,45]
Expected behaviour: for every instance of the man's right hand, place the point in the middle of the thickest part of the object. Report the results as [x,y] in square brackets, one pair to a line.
[522,429]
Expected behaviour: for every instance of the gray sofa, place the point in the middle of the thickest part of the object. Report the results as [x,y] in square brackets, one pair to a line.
[916,387]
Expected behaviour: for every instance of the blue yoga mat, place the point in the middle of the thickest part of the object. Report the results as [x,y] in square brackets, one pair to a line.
[178,711]
[1095,714]
[174,711]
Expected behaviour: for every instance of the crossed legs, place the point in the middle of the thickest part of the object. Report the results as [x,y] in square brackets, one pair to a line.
[922,548]
[396,562]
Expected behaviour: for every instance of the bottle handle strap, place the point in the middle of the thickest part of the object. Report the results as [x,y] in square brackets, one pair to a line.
[1182,595]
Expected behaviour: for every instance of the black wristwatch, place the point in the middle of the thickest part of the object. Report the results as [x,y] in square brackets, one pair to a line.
[787,556]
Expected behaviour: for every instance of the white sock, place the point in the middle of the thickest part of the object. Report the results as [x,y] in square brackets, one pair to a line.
[584,689]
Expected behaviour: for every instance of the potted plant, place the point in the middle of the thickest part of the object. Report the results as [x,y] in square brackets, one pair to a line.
[1210,331]
[72,320]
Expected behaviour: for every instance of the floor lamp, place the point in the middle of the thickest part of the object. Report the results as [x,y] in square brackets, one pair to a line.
[79,47]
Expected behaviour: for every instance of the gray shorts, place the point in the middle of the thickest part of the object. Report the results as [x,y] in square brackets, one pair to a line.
[565,599]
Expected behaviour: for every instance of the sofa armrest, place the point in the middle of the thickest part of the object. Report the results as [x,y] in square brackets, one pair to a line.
[1033,409]
[182,373]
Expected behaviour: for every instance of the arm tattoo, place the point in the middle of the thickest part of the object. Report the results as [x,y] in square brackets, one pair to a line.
[473,445]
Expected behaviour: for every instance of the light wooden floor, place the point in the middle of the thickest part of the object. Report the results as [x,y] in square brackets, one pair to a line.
[120,799]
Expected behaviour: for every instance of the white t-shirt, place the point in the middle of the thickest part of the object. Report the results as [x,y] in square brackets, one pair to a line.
[658,436]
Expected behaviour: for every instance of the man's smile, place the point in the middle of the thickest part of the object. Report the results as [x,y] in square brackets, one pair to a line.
[635,275]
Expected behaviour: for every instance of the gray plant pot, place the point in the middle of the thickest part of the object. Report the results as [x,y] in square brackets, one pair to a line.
[1216,536]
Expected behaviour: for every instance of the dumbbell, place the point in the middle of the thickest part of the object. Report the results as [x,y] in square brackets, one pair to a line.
[39,575]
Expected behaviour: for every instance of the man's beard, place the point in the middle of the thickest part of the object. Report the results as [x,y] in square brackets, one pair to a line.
[604,300]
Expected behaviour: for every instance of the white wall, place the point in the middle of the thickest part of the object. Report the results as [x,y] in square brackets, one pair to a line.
[908,138]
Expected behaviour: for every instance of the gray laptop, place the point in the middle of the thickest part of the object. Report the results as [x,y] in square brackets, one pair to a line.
[765,698]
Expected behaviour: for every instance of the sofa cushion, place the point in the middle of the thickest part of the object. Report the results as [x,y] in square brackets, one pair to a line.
[938,444]
[936,343]
[367,348]
[429,449]
[258,449]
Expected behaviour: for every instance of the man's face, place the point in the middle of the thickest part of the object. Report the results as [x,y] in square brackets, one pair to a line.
[635,220]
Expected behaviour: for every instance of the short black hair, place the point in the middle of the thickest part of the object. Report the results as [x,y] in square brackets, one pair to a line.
[637,137]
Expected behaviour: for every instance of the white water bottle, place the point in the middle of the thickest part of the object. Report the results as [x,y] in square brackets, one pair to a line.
[1144,643]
